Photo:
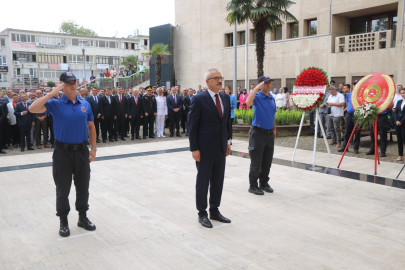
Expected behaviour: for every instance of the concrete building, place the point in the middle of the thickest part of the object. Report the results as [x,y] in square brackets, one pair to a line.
[347,38]
[49,54]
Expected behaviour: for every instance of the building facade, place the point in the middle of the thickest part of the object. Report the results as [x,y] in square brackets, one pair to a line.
[30,58]
[347,38]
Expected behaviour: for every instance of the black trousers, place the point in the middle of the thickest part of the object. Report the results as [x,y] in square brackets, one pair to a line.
[400,139]
[349,126]
[149,124]
[50,127]
[311,116]
[107,124]
[119,126]
[41,126]
[127,121]
[183,119]
[15,134]
[65,165]
[174,119]
[135,125]
[97,125]
[4,130]
[211,172]
[261,150]
[25,135]
[382,127]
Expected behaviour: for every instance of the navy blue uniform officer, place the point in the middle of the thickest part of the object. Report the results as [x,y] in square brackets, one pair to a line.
[73,120]
[261,136]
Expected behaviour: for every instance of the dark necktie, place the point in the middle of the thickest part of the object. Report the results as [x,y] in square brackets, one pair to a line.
[25,105]
[95,98]
[218,103]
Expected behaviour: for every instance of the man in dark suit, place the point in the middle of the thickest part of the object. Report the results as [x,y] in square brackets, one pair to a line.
[186,104]
[149,110]
[135,113]
[210,133]
[4,126]
[174,108]
[121,109]
[25,120]
[2,119]
[94,102]
[399,120]
[107,116]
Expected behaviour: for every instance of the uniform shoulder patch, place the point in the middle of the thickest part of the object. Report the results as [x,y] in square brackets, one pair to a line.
[83,109]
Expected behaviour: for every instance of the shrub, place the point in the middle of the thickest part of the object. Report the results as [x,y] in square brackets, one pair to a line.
[283,117]
[92,85]
[50,84]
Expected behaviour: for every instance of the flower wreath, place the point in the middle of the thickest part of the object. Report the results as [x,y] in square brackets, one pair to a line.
[309,89]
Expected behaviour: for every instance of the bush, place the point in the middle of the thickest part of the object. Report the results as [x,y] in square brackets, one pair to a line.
[92,85]
[50,84]
[283,117]
[107,79]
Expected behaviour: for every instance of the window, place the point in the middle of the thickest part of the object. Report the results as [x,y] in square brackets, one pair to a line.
[113,44]
[278,33]
[145,42]
[102,44]
[293,29]
[22,37]
[252,36]
[241,38]
[31,57]
[73,42]
[379,23]
[54,58]
[229,40]
[3,77]
[2,42]
[77,58]
[373,23]
[111,60]
[3,61]
[312,27]
[51,40]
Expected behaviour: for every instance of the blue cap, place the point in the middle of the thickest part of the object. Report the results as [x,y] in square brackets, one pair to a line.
[264,79]
[67,77]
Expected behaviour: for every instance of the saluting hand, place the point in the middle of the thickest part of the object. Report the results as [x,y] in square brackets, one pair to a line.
[56,90]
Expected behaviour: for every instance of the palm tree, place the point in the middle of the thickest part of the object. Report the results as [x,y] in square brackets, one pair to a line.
[159,51]
[265,15]
[131,62]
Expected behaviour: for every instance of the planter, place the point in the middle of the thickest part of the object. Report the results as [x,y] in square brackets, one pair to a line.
[282,131]
[240,121]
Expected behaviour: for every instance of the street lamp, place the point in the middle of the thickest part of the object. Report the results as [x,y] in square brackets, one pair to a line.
[22,65]
[84,43]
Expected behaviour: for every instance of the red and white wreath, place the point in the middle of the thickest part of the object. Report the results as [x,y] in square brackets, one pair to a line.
[309,89]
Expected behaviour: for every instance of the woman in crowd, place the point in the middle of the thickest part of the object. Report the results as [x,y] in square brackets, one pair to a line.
[281,100]
[234,105]
[288,98]
[242,99]
[399,119]
[161,113]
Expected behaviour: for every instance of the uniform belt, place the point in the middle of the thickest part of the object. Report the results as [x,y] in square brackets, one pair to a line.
[263,131]
[70,147]
[350,113]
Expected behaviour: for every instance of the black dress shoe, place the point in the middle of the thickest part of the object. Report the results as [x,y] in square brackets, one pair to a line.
[64,227]
[123,139]
[132,138]
[53,146]
[329,137]
[255,190]
[343,149]
[138,138]
[5,147]
[111,140]
[220,218]
[383,154]
[85,223]
[30,148]
[152,136]
[178,135]
[171,135]
[205,221]
[356,151]
[22,150]
[320,136]
[116,139]
[97,141]
[3,152]
[370,152]
[104,141]
[126,136]
[144,137]
[266,188]
[183,132]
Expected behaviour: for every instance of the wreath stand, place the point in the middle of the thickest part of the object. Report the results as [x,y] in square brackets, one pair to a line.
[376,156]
[317,120]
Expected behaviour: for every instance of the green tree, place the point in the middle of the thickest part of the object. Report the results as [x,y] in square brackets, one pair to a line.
[131,62]
[265,15]
[72,28]
[159,51]
[50,84]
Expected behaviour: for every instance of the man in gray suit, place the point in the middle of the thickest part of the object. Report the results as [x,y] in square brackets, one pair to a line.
[323,114]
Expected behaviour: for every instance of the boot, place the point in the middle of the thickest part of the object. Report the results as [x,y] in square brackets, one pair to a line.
[85,223]
[64,227]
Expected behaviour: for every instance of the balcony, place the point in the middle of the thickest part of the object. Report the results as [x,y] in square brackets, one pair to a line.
[364,42]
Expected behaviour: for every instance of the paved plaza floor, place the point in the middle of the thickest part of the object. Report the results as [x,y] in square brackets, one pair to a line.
[142,200]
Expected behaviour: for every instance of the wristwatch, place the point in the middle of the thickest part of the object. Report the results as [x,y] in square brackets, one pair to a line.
[95,149]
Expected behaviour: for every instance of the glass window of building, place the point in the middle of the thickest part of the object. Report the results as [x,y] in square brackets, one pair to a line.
[229,40]
[312,27]
[278,33]
[2,42]
[3,77]
[102,44]
[294,30]
[379,23]
[242,38]
[3,60]
[113,44]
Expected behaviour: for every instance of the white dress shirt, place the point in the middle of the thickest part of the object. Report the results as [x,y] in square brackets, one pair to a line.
[10,114]
[338,98]
[397,98]
[402,104]
[215,103]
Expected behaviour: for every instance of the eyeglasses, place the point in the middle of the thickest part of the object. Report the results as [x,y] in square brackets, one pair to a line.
[217,78]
